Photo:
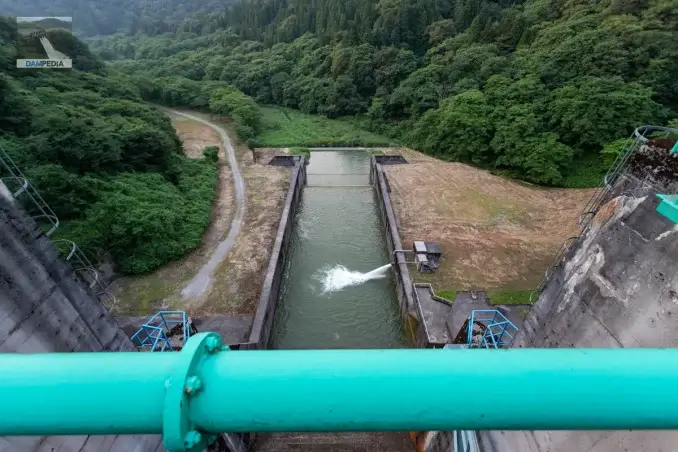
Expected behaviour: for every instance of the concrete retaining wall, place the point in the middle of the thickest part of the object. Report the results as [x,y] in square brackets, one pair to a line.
[404,288]
[44,307]
[263,318]
[616,287]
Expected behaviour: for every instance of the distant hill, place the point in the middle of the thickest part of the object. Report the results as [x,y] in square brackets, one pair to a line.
[52,22]
[92,18]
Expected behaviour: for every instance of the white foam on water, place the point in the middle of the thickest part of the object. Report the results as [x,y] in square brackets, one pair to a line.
[338,277]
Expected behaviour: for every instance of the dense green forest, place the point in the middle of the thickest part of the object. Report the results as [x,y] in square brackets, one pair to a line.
[534,89]
[109,165]
[539,90]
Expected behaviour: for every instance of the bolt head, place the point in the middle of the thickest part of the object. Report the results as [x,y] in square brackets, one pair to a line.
[193,385]
[192,439]
[212,344]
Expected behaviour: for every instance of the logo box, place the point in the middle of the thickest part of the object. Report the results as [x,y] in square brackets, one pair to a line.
[34,42]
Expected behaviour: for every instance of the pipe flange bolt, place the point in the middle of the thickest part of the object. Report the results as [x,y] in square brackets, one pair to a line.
[184,383]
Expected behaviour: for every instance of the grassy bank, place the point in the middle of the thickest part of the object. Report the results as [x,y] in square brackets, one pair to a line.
[498,296]
[283,127]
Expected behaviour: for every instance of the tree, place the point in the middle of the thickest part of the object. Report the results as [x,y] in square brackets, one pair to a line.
[594,111]
[439,31]
[460,129]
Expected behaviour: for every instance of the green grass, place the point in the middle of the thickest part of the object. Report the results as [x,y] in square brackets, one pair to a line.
[300,151]
[586,172]
[499,296]
[376,152]
[283,127]
[447,294]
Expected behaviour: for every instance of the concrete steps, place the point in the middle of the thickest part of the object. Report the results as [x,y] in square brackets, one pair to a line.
[334,442]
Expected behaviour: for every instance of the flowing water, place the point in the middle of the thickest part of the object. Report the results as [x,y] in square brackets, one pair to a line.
[338,289]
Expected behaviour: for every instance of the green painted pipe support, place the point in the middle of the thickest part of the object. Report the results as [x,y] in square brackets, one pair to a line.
[192,395]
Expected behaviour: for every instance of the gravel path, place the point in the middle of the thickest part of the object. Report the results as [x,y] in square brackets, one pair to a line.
[202,281]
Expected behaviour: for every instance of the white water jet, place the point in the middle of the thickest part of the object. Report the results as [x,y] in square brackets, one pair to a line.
[339,277]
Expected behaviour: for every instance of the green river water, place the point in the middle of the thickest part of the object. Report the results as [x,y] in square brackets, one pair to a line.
[338,239]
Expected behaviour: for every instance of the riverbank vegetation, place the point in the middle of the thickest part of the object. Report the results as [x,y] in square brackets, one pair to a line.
[531,89]
[110,166]
[500,296]
[283,127]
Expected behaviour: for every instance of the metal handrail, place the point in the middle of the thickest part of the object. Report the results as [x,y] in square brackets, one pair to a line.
[16,174]
[554,263]
[22,186]
[489,319]
[46,213]
[73,252]
[638,138]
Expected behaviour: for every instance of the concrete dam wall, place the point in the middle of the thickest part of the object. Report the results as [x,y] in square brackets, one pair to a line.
[616,287]
[45,307]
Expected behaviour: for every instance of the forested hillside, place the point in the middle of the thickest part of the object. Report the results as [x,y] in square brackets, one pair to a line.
[109,165]
[533,88]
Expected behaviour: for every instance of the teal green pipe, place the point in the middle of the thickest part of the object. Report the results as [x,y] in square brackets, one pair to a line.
[82,393]
[336,390]
[434,389]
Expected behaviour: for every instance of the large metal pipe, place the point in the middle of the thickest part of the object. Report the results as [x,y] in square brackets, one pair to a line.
[206,389]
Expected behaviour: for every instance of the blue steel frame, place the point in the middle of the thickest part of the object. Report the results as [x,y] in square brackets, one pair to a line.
[499,331]
[152,336]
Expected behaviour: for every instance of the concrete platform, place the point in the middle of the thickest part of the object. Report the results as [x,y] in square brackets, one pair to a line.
[443,321]
[434,316]
[464,304]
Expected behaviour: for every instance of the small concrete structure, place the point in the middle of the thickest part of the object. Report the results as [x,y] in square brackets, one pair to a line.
[423,264]
[390,159]
[433,250]
[434,318]
[427,255]
[285,160]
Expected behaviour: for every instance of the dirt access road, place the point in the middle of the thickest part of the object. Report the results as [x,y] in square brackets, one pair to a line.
[234,281]
[203,279]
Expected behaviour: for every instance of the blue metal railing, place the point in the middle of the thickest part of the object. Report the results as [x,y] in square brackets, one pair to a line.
[497,330]
[465,441]
[155,334]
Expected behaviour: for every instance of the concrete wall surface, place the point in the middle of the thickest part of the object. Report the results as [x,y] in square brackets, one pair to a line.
[404,287]
[44,307]
[616,287]
[268,300]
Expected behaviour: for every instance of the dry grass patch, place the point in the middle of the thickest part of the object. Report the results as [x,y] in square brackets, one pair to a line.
[495,232]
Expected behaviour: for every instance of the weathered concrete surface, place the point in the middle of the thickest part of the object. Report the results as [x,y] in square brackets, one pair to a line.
[44,307]
[263,317]
[465,303]
[434,316]
[404,288]
[335,442]
[617,287]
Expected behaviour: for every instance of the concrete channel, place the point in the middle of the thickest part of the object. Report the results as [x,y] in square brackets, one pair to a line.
[330,238]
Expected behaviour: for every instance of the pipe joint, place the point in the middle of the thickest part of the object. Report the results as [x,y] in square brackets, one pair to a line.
[183,385]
